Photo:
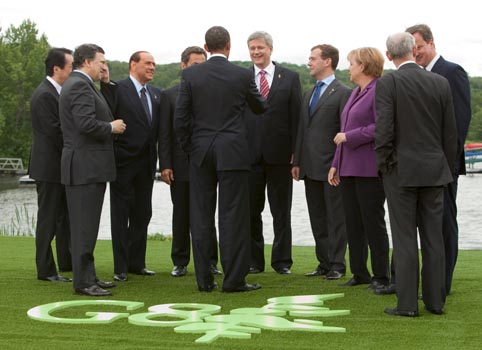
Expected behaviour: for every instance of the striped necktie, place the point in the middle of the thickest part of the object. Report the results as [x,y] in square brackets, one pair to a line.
[263,84]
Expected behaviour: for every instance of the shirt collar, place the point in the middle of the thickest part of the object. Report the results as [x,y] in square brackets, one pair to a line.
[56,85]
[269,69]
[432,62]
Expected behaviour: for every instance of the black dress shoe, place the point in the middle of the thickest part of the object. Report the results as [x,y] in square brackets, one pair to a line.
[145,272]
[93,291]
[435,311]
[390,289]
[120,277]
[374,285]
[246,288]
[254,270]
[58,278]
[209,288]
[396,312]
[105,285]
[179,271]
[317,272]
[354,282]
[214,270]
[283,271]
[334,275]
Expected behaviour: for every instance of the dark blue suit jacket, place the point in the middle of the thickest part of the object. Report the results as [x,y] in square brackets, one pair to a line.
[460,87]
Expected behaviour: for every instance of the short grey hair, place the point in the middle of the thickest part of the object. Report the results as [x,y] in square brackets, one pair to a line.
[400,45]
[262,35]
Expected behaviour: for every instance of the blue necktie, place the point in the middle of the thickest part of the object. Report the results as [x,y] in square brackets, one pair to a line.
[316,96]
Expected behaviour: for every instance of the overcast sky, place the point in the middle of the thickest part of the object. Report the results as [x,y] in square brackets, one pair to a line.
[166,28]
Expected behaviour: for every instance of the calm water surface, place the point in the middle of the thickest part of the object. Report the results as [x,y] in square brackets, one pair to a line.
[469,201]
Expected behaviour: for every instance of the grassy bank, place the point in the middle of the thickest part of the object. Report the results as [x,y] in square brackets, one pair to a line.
[367,327]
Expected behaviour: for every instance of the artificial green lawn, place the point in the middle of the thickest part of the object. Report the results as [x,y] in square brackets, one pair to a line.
[367,327]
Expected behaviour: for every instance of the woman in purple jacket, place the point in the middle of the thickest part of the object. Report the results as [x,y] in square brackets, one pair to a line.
[354,167]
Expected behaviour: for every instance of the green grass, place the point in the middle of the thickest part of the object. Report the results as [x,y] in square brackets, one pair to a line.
[367,327]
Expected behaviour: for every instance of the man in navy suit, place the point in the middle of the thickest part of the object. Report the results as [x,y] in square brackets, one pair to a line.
[174,166]
[428,58]
[88,161]
[415,144]
[209,125]
[136,157]
[44,167]
[271,139]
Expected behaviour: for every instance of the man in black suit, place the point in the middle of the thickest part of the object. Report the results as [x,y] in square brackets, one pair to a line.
[136,157]
[209,125]
[319,123]
[174,166]
[272,141]
[87,161]
[44,167]
[428,58]
[416,144]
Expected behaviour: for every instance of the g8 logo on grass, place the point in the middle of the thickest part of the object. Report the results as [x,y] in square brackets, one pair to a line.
[203,319]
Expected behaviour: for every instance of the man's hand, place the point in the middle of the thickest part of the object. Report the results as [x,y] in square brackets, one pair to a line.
[118,126]
[105,76]
[167,175]
[295,172]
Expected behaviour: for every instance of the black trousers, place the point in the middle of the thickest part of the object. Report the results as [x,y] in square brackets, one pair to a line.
[410,208]
[450,232]
[233,221]
[327,220]
[278,182]
[130,214]
[52,221]
[85,208]
[363,204]
[181,237]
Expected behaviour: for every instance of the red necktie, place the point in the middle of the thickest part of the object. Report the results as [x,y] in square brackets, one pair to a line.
[263,84]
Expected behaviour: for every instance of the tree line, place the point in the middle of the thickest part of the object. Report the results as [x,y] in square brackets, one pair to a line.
[22,55]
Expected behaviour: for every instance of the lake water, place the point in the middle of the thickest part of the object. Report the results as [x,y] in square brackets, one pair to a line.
[14,197]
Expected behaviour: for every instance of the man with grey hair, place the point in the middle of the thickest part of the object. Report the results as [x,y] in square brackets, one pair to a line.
[415,143]
[272,143]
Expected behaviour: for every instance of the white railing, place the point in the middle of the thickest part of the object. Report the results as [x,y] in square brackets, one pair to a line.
[11,164]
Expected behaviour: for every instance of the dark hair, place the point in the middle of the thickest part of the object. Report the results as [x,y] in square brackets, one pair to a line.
[85,52]
[217,38]
[56,57]
[186,54]
[328,51]
[423,30]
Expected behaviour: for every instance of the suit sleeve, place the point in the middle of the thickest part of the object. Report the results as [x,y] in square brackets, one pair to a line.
[165,132]
[109,91]
[256,102]
[295,108]
[183,115]
[449,130]
[385,123]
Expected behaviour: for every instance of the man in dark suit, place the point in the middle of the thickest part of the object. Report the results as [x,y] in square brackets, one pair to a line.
[428,58]
[87,161]
[319,123]
[136,157]
[415,143]
[209,125]
[272,141]
[44,167]
[174,166]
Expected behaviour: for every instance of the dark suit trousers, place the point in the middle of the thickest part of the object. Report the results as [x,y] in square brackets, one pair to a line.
[450,232]
[181,238]
[409,207]
[85,208]
[327,223]
[130,213]
[233,216]
[52,221]
[363,200]
[278,181]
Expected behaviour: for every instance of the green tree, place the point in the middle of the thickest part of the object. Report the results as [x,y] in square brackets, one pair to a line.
[22,57]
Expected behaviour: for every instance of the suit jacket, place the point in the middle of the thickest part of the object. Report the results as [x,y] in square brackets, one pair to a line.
[140,135]
[216,120]
[47,140]
[460,87]
[272,137]
[314,144]
[88,153]
[415,128]
[356,156]
[171,155]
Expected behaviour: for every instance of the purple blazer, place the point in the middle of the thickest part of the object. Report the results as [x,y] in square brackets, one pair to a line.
[356,156]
